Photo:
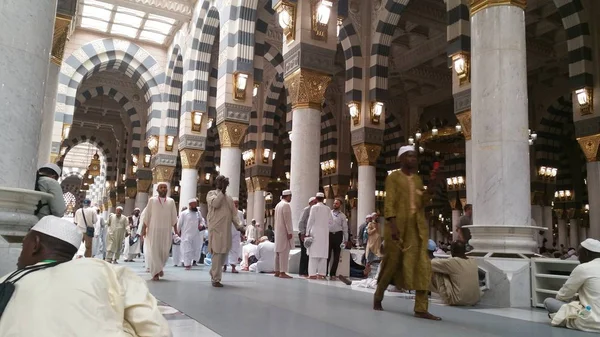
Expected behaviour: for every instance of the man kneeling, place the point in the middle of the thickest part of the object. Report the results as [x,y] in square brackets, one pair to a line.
[456,279]
[265,254]
[83,297]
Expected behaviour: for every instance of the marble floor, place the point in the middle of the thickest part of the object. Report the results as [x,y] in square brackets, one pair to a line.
[261,305]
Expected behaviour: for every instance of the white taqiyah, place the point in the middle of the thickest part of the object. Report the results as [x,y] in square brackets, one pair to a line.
[192,200]
[311,199]
[405,149]
[592,245]
[320,195]
[235,199]
[286,192]
[59,228]
[119,207]
[53,167]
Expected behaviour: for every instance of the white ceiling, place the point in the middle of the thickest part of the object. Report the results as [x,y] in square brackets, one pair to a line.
[81,155]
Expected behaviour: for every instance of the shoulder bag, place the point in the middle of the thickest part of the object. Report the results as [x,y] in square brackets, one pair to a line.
[89,231]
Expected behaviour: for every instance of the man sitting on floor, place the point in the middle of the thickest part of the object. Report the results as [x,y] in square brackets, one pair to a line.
[247,251]
[582,314]
[456,279]
[83,297]
[265,254]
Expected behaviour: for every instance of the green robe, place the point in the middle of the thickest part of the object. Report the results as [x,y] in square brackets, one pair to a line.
[405,200]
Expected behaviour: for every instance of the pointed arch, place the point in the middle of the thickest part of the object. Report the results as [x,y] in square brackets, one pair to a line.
[350,42]
[173,89]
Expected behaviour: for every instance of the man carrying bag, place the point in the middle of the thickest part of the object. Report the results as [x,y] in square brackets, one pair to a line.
[85,218]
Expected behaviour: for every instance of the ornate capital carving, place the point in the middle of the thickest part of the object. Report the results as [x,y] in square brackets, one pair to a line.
[589,145]
[366,154]
[131,192]
[328,189]
[465,122]
[231,134]
[249,185]
[307,88]
[59,40]
[162,174]
[339,191]
[477,5]
[190,158]
[260,183]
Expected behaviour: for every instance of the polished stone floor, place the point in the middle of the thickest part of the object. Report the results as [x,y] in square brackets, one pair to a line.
[261,305]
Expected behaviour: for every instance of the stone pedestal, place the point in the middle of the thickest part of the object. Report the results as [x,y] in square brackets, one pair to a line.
[509,282]
[574,240]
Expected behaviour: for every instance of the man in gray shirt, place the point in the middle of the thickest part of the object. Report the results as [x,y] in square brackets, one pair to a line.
[338,236]
[303,269]
[47,181]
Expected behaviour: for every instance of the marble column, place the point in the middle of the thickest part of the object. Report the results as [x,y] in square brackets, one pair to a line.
[259,208]
[26,38]
[537,214]
[548,222]
[455,220]
[354,222]
[141,198]
[499,124]
[574,240]
[469,179]
[562,233]
[593,186]
[250,207]
[582,234]
[190,159]
[366,155]
[48,115]
[162,174]
[231,135]
[129,206]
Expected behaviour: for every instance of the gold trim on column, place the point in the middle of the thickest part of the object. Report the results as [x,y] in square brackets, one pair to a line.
[366,154]
[54,157]
[162,174]
[590,145]
[190,158]
[231,134]
[249,185]
[465,121]
[306,88]
[339,191]
[131,192]
[477,5]
[143,185]
[328,189]
[260,183]
[59,40]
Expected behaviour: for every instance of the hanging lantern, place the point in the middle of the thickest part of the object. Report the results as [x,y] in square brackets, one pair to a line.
[94,167]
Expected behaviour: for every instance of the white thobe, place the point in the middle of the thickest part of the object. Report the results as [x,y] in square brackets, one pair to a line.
[236,249]
[96,242]
[318,228]
[131,251]
[247,251]
[84,297]
[251,233]
[187,225]
[176,249]
[160,216]
[265,253]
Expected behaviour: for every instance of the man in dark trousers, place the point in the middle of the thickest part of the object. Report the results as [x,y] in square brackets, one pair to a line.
[303,269]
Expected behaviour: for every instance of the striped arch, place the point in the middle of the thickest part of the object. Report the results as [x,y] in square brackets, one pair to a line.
[209,159]
[550,132]
[380,50]
[273,94]
[172,94]
[350,42]
[111,161]
[579,42]
[136,125]
[459,27]
[329,134]
[237,36]
[198,66]
[265,12]
[108,54]
[212,93]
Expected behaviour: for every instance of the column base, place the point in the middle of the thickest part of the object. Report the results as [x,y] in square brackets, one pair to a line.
[507,282]
[17,206]
[509,241]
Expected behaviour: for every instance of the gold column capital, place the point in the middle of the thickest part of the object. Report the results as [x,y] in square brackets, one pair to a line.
[260,183]
[231,134]
[339,191]
[162,173]
[143,185]
[366,154]
[59,40]
[590,145]
[131,192]
[54,157]
[112,202]
[464,118]
[190,158]
[307,88]
[477,5]
[249,185]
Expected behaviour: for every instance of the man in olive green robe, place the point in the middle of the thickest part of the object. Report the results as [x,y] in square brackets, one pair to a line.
[406,263]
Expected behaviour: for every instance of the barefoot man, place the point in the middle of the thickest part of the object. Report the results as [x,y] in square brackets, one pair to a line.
[405,261]
[160,217]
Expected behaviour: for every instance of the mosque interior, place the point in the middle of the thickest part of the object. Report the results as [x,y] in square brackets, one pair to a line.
[317,95]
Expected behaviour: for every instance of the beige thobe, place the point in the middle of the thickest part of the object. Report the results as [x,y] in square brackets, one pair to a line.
[283,228]
[456,280]
[117,227]
[221,214]
[160,216]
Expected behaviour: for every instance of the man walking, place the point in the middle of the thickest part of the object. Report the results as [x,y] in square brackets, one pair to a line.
[190,221]
[85,219]
[338,235]
[317,238]
[405,261]
[284,234]
[221,214]
[132,243]
[117,227]
[303,269]
[160,218]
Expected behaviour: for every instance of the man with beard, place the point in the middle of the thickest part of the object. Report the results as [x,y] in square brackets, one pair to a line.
[284,234]
[188,226]
[221,214]
[303,269]
[406,263]
[160,217]
[338,236]
[117,227]
[132,243]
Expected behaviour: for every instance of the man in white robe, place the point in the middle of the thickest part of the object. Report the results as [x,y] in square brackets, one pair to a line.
[176,250]
[85,218]
[221,214]
[317,230]
[98,234]
[251,231]
[236,240]
[190,221]
[249,249]
[84,297]
[265,253]
[160,218]
[131,251]
[284,234]
[117,228]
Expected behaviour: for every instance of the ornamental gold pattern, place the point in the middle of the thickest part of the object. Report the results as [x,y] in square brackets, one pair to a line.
[162,173]
[307,88]
[231,134]
[465,121]
[477,5]
[366,154]
[249,185]
[260,183]
[59,40]
[143,185]
[590,145]
[190,158]
[131,192]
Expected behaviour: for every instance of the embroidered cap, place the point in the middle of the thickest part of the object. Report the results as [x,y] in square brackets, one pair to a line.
[286,192]
[320,195]
[59,228]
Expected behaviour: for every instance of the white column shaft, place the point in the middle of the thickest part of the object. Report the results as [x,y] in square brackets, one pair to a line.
[499,119]
[141,200]
[259,209]
[562,233]
[366,191]
[593,186]
[455,219]
[548,222]
[582,234]
[250,208]
[574,233]
[469,179]
[129,206]
[188,186]
[231,161]
[304,171]
[48,114]
[354,222]
[537,214]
